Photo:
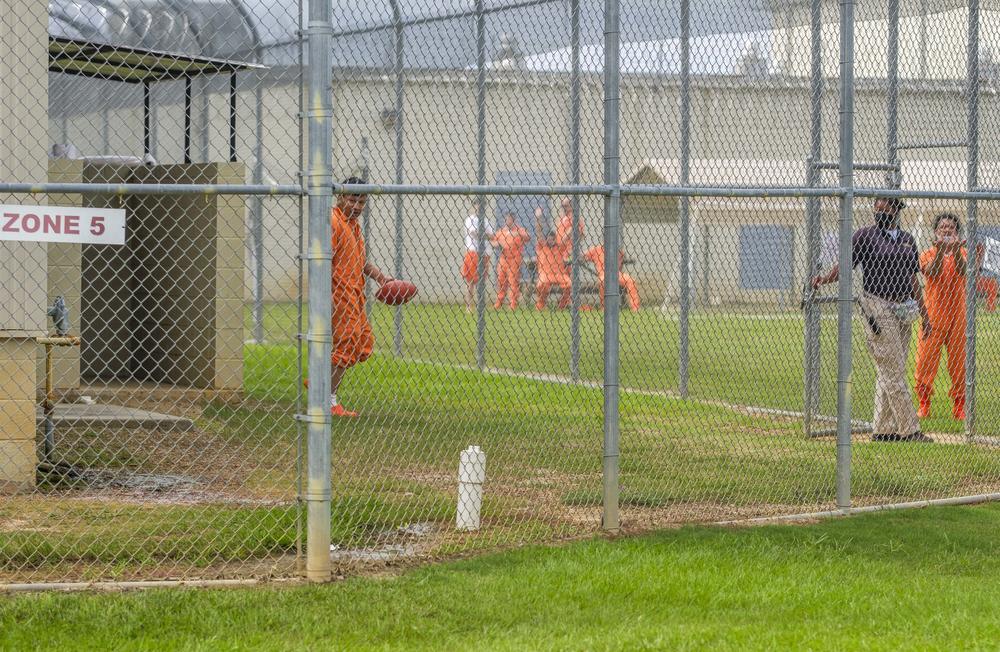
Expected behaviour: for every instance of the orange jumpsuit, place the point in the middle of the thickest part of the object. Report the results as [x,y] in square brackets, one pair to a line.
[627,283]
[551,272]
[352,334]
[945,298]
[511,242]
[988,288]
[564,236]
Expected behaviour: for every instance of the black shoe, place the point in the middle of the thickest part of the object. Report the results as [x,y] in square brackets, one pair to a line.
[886,436]
[918,437]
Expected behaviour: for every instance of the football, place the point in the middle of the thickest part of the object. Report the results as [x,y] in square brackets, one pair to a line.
[396,292]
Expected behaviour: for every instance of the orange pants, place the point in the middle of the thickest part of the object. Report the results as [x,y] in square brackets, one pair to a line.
[628,288]
[470,266]
[947,331]
[988,288]
[508,281]
[544,287]
[352,334]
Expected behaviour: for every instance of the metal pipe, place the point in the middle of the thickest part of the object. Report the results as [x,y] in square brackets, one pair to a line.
[612,298]
[203,108]
[257,219]
[892,92]
[685,202]
[150,189]
[49,404]
[845,293]
[590,189]
[232,117]
[187,120]
[574,167]
[981,194]
[300,443]
[49,407]
[813,218]
[865,167]
[923,39]
[933,145]
[366,219]
[119,586]
[145,119]
[397,319]
[319,181]
[481,181]
[972,218]
[916,504]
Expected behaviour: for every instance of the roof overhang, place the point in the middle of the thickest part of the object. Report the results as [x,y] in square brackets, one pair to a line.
[133,65]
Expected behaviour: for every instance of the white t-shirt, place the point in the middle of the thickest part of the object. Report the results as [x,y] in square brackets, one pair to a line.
[472,232]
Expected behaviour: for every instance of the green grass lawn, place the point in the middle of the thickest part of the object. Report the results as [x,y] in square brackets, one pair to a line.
[681,461]
[743,357]
[916,580]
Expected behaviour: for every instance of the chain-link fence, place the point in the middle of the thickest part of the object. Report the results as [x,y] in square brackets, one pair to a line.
[184,421]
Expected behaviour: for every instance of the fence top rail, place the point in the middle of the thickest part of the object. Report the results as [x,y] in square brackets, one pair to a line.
[150,189]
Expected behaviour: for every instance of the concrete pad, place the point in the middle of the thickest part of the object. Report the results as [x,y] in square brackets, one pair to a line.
[80,415]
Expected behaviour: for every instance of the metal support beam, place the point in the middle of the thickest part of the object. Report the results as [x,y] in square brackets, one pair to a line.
[685,202]
[574,167]
[892,94]
[187,123]
[813,220]
[232,117]
[398,270]
[612,297]
[972,217]
[146,127]
[481,180]
[845,303]
[319,177]
[257,218]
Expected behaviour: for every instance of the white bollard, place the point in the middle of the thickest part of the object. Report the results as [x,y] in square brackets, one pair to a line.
[471,476]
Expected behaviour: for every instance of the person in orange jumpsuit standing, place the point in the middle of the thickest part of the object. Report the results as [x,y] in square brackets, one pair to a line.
[627,283]
[945,266]
[511,238]
[564,229]
[551,267]
[352,334]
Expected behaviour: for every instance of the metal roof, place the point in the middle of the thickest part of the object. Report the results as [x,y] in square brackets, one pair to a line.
[131,64]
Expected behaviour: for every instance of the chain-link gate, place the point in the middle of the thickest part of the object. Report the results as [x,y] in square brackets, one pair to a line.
[622,221]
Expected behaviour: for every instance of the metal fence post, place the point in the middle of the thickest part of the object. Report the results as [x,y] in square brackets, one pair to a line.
[972,218]
[845,299]
[892,93]
[481,180]
[813,219]
[685,179]
[319,178]
[574,166]
[612,299]
[398,45]
[257,219]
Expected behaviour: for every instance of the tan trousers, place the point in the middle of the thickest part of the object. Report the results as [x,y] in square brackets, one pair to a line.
[890,348]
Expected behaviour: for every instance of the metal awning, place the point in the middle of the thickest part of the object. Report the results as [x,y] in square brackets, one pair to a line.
[133,65]
[143,66]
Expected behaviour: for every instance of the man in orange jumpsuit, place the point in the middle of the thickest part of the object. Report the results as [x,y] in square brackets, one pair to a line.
[511,238]
[627,283]
[945,266]
[551,267]
[564,229]
[352,334]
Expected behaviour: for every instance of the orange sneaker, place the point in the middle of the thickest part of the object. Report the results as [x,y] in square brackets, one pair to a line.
[958,411]
[340,411]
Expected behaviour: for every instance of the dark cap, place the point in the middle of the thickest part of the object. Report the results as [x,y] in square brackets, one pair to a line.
[895,202]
